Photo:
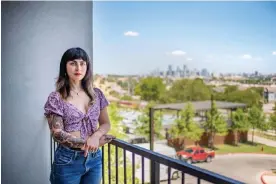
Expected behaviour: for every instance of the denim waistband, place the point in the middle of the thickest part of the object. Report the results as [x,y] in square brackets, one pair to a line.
[75,151]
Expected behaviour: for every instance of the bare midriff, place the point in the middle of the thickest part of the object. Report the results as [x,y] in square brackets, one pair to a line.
[76,133]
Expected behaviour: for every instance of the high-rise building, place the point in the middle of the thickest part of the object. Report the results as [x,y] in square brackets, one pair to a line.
[185,70]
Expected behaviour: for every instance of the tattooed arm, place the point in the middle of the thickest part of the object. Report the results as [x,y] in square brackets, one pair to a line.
[56,126]
[57,129]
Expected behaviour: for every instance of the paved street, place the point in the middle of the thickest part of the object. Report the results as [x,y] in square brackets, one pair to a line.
[244,167]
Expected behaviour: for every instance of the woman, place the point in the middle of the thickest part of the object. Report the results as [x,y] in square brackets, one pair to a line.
[73,111]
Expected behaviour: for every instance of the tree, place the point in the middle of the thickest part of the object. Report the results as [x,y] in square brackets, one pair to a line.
[256,119]
[272,122]
[142,123]
[250,96]
[215,124]
[117,131]
[185,126]
[189,90]
[272,119]
[239,123]
[150,88]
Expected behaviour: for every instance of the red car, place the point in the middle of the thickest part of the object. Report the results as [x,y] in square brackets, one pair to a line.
[195,154]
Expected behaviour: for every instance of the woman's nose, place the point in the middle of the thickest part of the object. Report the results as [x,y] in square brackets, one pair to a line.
[77,67]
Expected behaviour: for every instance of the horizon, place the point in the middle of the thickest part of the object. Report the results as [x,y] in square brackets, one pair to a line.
[136,38]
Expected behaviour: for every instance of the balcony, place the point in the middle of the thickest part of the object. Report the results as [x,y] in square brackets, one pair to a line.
[153,167]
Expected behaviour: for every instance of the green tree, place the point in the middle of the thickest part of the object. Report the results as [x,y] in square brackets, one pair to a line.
[188,90]
[239,123]
[117,131]
[272,122]
[230,89]
[150,88]
[215,124]
[126,97]
[274,108]
[124,85]
[185,126]
[199,91]
[250,96]
[272,119]
[142,123]
[256,119]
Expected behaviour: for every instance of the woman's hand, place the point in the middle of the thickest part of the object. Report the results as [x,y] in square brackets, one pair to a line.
[106,139]
[92,144]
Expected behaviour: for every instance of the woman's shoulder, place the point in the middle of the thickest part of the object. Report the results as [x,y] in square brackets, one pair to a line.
[98,91]
[101,97]
[53,104]
[54,95]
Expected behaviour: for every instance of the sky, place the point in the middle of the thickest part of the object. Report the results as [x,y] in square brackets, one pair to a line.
[139,37]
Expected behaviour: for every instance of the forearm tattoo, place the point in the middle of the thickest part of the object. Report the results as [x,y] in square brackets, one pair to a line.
[57,129]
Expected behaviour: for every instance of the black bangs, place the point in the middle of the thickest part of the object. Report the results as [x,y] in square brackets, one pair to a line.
[75,53]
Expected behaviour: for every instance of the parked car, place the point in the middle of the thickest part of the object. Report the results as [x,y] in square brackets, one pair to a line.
[195,154]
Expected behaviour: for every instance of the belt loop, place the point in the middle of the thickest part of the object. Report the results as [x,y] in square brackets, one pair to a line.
[75,154]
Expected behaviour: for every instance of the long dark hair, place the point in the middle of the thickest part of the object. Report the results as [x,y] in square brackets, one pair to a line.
[62,83]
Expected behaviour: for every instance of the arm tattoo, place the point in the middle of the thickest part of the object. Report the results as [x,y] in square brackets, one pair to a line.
[57,129]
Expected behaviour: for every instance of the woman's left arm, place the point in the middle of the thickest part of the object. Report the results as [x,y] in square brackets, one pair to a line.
[99,138]
[104,124]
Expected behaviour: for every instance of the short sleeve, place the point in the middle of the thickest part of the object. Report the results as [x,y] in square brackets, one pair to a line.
[53,105]
[102,99]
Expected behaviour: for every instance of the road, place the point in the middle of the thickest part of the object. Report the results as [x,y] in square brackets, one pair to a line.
[243,167]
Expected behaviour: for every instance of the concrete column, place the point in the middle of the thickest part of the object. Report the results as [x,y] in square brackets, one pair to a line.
[34,37]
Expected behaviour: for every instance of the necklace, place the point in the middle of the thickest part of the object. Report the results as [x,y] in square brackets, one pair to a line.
[77,92]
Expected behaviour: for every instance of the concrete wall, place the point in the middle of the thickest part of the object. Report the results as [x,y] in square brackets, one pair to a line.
[34,37]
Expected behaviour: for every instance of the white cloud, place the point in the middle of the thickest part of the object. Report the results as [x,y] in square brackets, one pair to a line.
[274,53]
[246,56]
[178,53]
[189,59]
[131,33]
[250,57]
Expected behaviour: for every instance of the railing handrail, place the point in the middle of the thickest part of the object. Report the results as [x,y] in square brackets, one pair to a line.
[176,164]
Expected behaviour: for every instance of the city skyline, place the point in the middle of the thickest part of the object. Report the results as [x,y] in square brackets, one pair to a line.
[224,37]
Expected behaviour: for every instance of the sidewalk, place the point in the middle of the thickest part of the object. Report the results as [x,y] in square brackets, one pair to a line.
[268,178]
[261,140]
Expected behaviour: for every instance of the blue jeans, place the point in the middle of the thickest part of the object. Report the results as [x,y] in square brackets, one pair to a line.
[71,167]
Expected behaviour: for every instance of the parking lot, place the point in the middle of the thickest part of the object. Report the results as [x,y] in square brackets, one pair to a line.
[243,167]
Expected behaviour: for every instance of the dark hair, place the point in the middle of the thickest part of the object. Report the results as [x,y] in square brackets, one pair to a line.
[62,83]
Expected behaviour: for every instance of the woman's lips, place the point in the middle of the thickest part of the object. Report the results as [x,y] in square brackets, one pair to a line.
[77,74]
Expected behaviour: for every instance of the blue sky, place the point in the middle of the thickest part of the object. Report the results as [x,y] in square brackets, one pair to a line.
[138,37]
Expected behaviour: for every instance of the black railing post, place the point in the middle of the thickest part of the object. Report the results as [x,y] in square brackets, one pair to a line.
[151,127]
[155,174]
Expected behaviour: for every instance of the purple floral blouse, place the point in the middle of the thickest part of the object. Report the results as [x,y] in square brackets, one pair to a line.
[73,118]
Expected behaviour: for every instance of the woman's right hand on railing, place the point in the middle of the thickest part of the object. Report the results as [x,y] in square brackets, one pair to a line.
[106,139]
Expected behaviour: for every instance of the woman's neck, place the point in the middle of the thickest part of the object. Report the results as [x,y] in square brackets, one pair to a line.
[76,85]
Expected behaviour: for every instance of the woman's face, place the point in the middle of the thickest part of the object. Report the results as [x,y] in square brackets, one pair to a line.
[76,69]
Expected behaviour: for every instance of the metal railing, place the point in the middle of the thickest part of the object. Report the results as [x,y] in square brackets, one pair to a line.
[155,161]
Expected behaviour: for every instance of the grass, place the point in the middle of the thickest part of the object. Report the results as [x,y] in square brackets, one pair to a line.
[245,148]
